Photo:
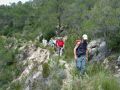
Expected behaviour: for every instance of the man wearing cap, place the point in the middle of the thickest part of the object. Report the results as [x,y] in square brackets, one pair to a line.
[80,53]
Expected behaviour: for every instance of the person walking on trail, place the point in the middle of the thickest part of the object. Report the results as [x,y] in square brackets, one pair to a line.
[44,42]
[60,46]
[80,53]
[51,42]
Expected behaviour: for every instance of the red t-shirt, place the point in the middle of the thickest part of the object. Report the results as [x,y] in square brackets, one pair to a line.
[59,43]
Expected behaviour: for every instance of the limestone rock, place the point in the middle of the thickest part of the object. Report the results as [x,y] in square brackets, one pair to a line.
[118,61]
[97,49]
[31,58]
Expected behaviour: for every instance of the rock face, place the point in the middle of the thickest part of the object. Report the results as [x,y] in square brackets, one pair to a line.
[31,52]
[97,49]
[31,58]
[56,78]
[118,67]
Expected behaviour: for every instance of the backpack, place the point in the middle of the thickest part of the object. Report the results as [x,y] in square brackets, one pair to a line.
[81,50]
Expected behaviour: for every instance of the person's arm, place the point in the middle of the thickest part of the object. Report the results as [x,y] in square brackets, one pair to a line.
[87,55]
[75,55]
[56,43]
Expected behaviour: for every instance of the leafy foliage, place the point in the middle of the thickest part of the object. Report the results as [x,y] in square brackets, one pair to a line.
[46,70]
[9,69]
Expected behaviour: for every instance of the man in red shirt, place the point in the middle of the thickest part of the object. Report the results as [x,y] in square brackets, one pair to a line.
[60,46]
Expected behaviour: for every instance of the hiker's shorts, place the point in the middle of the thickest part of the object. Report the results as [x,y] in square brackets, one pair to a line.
[60,50]
[81,63]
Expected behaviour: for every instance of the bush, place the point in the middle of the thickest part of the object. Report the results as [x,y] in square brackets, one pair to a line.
[114,41]
[46,70]
[93,69]
[16,86]
[103,81]
[8,63]
[48,34]
[70,44]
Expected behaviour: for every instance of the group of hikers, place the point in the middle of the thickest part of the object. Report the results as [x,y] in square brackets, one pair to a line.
[80,50]
[57,43]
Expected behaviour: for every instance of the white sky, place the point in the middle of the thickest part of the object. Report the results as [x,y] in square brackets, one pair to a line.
[7,2]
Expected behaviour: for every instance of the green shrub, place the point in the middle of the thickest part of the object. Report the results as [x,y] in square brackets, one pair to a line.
[93,69]
[16,86]
[113,41]
[103,81]
[8,64]
[70,44]
[48,34]
[46,70]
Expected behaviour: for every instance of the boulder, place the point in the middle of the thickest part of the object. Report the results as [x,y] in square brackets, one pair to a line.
[97,49]
[118,61]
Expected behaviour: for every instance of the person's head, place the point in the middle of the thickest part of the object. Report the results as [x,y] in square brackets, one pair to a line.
[59,38]
[51,38]
[84,37]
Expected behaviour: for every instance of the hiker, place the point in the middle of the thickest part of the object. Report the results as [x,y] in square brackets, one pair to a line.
[60,46]
[54,41]
[51,42]
[44,42]
[80,53]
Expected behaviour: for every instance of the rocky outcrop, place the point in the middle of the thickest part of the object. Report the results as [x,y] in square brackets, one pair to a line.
[112,64]
[59,77]
[117,67]
[97,50]
[31,58]
[118,61]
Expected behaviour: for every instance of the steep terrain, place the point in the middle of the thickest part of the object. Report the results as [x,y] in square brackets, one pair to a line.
[43,71]
[25,64]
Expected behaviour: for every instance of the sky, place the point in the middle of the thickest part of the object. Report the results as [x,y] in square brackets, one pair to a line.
[7,2]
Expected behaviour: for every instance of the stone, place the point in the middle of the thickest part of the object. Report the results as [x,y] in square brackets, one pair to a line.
[97,49]
[118,58]
[118,61]
[117,75]
[116,67]
[118,70]
[103,47]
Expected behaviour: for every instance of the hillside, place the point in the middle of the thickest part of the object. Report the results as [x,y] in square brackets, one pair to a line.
[25,64]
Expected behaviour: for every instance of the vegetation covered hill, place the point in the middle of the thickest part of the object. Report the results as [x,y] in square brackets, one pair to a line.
[20,23]
[95,17]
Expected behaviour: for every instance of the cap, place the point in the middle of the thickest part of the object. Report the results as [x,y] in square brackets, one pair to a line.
[85,37]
